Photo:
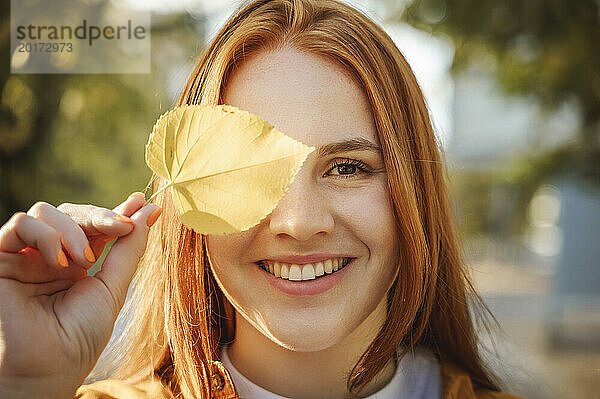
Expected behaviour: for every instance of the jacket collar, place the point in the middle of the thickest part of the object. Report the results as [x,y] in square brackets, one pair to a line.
[221,382]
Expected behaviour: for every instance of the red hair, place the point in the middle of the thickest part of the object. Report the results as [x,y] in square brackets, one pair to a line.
[179,315]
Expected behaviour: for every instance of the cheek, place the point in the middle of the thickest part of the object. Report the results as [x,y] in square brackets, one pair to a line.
[226,260]
[217,248]
[368,214]
[226,251]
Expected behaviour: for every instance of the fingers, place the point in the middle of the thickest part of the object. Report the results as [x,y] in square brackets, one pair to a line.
[71,234]
[122,260]
[49,229]
[41,244]
[23,230]
[29,266]
[131,205]
[101,225]
[98,244]
[95,220]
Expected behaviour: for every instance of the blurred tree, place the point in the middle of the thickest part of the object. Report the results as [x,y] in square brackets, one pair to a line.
[27,106]
[548,48]
[80,137]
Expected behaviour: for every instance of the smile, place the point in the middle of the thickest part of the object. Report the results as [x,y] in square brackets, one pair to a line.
[308,271]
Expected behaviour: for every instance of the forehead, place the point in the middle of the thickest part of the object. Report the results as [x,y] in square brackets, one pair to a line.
[303,95]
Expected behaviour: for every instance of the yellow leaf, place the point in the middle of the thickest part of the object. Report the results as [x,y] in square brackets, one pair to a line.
[227,167]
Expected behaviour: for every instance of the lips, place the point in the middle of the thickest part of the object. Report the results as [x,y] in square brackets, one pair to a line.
[312,285]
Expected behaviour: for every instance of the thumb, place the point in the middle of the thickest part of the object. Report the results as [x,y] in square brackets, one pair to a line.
[122,260]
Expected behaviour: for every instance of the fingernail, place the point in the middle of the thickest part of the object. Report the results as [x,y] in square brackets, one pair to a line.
[62,259]
[153,217]
[137,193]
[124,219]
[89,254]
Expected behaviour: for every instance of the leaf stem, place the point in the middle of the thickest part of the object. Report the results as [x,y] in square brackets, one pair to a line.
[156,193]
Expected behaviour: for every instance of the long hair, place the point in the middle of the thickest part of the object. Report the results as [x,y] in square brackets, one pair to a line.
[179,317]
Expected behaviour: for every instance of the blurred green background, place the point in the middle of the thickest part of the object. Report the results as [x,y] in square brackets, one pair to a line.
[514,89]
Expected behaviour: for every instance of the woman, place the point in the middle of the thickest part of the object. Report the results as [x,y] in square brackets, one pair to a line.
[353,286]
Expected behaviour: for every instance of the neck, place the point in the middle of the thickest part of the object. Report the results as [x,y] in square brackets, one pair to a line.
[307,375]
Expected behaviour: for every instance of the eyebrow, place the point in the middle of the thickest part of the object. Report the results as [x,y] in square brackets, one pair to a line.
[354,144]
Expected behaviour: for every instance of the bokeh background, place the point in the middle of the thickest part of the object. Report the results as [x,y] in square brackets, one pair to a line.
[514,91]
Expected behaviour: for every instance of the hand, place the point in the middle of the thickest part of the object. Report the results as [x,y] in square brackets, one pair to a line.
[56,320]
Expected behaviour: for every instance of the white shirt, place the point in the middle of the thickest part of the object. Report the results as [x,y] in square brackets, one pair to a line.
[418,376]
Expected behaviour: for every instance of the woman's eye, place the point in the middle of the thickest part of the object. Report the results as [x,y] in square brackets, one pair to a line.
[346,168]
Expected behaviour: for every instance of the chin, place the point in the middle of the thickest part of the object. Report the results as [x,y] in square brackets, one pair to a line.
[305,337]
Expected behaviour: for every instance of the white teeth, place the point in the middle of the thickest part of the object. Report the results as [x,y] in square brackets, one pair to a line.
[295,273]
[319,269]
[284,271]
[327,266]
[308,271]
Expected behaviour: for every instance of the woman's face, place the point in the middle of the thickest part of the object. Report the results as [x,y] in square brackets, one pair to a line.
[332,209]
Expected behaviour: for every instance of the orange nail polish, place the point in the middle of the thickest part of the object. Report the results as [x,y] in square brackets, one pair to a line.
[62,259]
[89,254]
[124,219]
[153,217]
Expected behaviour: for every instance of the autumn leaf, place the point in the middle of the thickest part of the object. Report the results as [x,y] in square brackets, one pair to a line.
[227,168]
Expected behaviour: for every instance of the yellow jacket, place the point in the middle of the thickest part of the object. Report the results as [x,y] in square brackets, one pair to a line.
[456,384]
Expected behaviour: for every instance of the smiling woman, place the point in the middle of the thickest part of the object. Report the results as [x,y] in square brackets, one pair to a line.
[352,287]
[354,284]
[333,213]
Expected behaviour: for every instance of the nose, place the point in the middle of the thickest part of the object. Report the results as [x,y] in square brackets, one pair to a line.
[302,213]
